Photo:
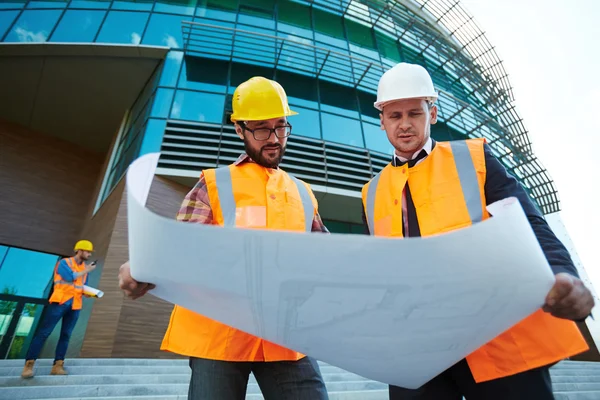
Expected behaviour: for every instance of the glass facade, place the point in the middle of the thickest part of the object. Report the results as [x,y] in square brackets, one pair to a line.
[25,283]
[327,54]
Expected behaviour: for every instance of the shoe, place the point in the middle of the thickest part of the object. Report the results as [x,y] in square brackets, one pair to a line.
[58,368]
[28,369]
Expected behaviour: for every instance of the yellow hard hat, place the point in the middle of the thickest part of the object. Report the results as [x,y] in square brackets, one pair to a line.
[258,99]
[84,245]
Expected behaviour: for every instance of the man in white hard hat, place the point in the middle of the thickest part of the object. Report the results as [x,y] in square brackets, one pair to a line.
[433,187]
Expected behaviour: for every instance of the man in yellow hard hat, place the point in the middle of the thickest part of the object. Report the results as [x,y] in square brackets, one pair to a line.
[435,187]
[70,275]
[253,192]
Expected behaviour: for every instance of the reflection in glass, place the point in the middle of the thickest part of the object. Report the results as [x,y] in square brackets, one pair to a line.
[215,14]
[185,7]
[162,103]
[170,70]
[341,130]
[78,26]
[197,106]
[153,137]
[13,4]
[376,139]
[90,4]
[39,267]
[204,74]
[123,27]
[141,5]
[164,30]
[48,4]
[6,19]
[33,26]
[306,123]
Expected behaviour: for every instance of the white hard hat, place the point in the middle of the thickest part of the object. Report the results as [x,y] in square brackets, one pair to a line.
[405,81]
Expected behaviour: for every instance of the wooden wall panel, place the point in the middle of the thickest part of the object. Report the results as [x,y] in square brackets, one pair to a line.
[119,327]
[46,187]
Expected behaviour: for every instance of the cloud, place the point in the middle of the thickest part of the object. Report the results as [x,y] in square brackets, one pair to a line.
[135,38]
[27,36]
[170,41]
[176,111]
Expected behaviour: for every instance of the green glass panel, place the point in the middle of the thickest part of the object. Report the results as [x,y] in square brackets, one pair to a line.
[294,14]
[328,24]
[388,47]
[359,34]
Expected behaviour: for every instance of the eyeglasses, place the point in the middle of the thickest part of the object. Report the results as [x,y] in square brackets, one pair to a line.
[262,134]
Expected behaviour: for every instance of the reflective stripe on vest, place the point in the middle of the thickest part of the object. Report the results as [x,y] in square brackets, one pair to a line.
[468,181]
[68,283]
[225,189]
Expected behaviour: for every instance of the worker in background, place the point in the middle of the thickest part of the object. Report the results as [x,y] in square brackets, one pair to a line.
[434,187]
[253,192]
[70,275]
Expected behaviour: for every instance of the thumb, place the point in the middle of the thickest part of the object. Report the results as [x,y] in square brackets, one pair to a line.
[562,287]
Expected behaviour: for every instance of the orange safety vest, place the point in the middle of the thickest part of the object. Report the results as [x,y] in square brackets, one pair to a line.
[447,188]
[246,196]
[63,290]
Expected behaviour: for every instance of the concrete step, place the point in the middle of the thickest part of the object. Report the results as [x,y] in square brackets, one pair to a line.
[150,379]
[43,379]
[146,389]
[122,369]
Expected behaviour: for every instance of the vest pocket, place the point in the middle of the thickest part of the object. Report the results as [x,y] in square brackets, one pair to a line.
[251,217]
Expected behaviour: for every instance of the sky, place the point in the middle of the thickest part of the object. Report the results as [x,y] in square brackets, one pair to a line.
[551,54]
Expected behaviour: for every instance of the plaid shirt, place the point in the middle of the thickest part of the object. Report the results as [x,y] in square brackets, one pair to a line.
[196,205]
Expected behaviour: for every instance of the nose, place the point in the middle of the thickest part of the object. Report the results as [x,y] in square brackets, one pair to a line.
[404,124]
[273,138]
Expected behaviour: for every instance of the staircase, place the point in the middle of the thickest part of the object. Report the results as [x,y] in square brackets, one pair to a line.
[149,379]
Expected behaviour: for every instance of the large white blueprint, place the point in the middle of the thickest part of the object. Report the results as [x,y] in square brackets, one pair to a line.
[396,311]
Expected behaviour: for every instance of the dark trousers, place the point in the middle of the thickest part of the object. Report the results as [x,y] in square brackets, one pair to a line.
[54,313]
[278,380]
[457,381]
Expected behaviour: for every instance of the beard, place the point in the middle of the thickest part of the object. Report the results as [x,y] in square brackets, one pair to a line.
[258,157]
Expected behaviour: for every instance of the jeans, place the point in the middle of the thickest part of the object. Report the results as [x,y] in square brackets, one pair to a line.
[457,381]
[54,312]
[278,380]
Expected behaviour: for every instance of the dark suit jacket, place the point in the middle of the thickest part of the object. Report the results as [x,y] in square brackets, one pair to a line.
[500,185]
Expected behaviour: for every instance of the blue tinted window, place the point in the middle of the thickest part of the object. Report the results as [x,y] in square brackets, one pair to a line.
[342,130]
[171,68]
[143,5]
[13,4]
[39,269]
[162,103]
[48,4]
[185,7]
[255,21]
[155,130]
[215,14]
[306,123]
[6,19]
[204,74]
[3,251]
[196,106]
[376,139]
[123,27]
[33,26]
[164,30]
[78,26]
[90,4]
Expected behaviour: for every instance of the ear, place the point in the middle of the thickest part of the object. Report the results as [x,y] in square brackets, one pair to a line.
[239,131]
[381,121]
[433,114]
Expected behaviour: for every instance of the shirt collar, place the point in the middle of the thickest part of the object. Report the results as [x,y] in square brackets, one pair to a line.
[244,158]
[427,147]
